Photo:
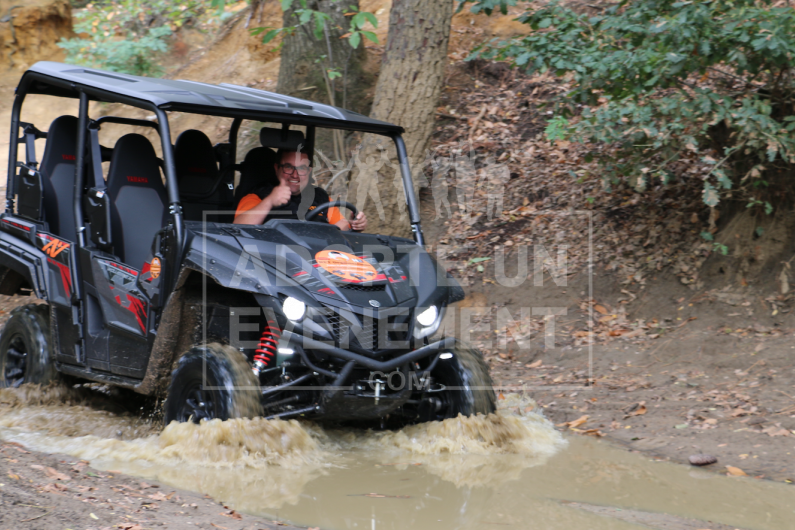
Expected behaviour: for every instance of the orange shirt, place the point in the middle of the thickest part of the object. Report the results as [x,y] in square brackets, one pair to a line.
[252,199]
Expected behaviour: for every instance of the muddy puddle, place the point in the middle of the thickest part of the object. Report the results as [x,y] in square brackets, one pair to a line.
[511,469]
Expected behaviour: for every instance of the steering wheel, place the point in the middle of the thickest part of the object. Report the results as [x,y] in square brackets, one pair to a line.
[331,204]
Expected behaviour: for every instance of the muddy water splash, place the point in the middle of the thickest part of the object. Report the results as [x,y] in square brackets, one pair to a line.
[505,469]
[77,422]
[264,465]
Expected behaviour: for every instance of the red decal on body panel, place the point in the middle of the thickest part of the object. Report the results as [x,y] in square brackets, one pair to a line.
[66,276]
[139,310]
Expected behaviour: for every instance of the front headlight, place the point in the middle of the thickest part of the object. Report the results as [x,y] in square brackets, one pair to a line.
[428,322]
[428,317]
[294,309]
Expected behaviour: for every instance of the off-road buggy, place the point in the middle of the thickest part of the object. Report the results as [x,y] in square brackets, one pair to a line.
[147,285]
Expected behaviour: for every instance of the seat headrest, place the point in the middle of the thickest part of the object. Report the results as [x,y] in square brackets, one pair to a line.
[273,138]
[61,141]
[257,170]
[194,155]
[134,163]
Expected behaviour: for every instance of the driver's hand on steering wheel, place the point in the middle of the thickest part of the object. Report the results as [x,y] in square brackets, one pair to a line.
[359,223]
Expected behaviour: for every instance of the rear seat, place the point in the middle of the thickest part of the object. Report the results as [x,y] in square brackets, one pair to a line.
[202,186]
[58,177]
[138,198]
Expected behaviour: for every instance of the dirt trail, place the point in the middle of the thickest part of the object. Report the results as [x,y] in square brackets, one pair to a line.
[43,492]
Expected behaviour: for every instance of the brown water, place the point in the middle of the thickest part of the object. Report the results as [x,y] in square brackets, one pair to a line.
[509,469]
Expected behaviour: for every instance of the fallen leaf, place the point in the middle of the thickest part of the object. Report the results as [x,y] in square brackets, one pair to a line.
[576,423]
[638,411]
[36,466]
[535,364]
[55,475]
[93,516]
[219,526]
[600,309]
[735,471]
[159,496]
[54,487]
[233,514]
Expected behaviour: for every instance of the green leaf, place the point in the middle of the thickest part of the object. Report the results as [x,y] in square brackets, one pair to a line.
[768,208]
[371,18]
[286,4]
[711,197]
[477,260]
[270,35]
[305,16]
[358,20]
[707,236]
[370,36]
[355,39]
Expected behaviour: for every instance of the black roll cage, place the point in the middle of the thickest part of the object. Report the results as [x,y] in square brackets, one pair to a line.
[50,85]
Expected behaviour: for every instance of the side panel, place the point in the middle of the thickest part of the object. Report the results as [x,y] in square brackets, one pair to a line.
[125,313]
[60,266]
[19,254]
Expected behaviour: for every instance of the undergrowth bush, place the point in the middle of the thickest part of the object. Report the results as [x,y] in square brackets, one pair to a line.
[661,81]
[128,36]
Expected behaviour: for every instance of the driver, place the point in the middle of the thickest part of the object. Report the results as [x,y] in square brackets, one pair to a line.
[293,170]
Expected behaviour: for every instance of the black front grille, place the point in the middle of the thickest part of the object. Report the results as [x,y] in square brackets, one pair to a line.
[364,288]
[367,331]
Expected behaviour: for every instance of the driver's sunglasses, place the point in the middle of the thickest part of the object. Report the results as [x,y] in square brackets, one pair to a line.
[289,169]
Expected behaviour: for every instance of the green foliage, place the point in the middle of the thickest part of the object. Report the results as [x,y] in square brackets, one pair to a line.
[663,81]
[487,6]
[318,21]
[127,36]
[556,128]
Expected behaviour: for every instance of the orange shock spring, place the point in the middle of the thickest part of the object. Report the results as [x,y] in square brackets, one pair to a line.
[265,353]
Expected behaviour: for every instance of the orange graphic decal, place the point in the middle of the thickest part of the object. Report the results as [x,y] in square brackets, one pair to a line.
[154,268]
[346,266]
[55,247]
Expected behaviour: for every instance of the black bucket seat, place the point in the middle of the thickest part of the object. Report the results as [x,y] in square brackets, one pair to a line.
[202,186]
[58,177]
[138,198]
[257,169]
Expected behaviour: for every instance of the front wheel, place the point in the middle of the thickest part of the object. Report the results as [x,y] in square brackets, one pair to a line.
[25,353]
[213,381]
[461,384]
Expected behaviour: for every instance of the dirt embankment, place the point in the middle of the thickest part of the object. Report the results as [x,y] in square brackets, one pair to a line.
[30,30]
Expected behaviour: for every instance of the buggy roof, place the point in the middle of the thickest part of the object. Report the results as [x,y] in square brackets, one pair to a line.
[66,80]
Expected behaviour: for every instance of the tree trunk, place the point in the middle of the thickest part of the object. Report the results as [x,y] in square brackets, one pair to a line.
[407,93]
[302,62]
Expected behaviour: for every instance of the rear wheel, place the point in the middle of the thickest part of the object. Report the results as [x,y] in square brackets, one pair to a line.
[25,354]
[461,385]
[213,381]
